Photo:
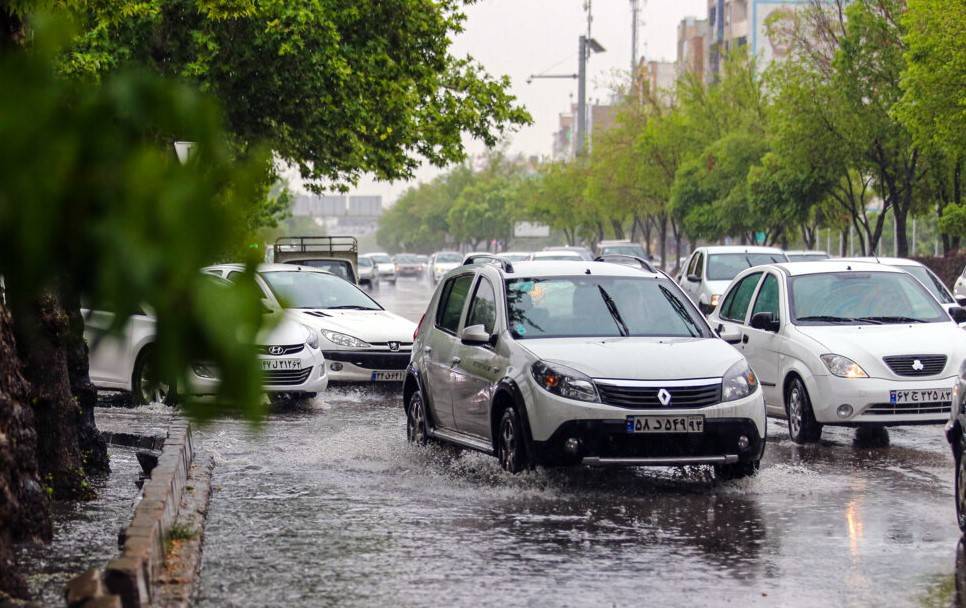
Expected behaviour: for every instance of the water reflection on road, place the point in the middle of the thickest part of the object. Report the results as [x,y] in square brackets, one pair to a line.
[328,505]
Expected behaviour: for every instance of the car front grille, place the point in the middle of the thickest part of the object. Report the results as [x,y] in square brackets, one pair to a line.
[286,377]
[905,365]
[287,349]
[892,409]
[371,360]
[646,397]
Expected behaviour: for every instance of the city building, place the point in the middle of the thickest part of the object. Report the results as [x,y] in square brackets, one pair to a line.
[757,24]
[692,51]
[658,78]
[600,118]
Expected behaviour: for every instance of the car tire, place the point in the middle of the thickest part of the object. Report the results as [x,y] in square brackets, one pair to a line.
[737,470]
[417,429]
[141,391]
[802,426]
[960,485]
[511,445]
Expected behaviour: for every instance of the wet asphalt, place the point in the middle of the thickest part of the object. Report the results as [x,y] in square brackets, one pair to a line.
[328,505]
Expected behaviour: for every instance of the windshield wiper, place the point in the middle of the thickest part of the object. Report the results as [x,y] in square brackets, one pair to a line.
[612,308]
[681,310]
[350,307]
[827,319]
[888,319]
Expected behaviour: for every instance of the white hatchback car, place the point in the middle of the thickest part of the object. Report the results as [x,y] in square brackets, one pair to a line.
[844,343]
[593,363]
[292,362]
[442,262]
[709,270]
[385,267]
[361,341]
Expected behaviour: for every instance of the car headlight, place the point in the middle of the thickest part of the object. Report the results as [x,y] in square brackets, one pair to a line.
[843,367]
[564,381]
[344,339]
[738,382]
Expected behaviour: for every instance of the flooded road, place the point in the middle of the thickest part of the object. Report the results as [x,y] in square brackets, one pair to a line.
[329,506]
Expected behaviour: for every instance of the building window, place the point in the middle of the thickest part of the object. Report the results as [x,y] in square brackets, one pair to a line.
[742,41]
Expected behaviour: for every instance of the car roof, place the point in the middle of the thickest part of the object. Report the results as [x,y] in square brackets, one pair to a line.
[567,268]
[805,252]
[564,252]
[824,266]
[740,249]
[885,261]
[269,268]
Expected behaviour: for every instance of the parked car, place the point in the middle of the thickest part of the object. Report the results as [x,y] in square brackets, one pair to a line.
[442,262]
[621,247]
[584,253]
[337,254]
[361,341]
[549,363]
[959,288]
[290,355]
[408,265]
[844,343]
[806,255]
[709,270]
[558,256]
[956,436]
[515,256]
[367,272]
[385,268]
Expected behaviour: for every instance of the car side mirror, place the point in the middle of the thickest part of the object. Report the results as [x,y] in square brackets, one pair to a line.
[731,337]
[693,278]
[765,321]
[958,313]
[475,335]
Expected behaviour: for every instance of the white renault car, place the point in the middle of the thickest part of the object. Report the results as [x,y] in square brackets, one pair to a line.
[593,363]
[361,341]
[290,355]
[844,343]
[709,270]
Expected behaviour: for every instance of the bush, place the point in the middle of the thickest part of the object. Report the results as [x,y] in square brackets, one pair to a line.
[946,268]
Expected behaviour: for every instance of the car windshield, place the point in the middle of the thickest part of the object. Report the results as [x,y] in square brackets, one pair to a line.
[448,258]
[405,258]
[548,257]
[859,298]
[365,262]
[925,277]
[317,290]
[339,268]
[381,258]
[726,266]
[807,257]
[635,250]
[594,306]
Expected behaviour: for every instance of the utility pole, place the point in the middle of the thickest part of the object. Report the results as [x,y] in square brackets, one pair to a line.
[635,21]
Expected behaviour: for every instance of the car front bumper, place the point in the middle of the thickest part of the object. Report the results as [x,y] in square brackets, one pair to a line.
[870,400]
[310,377]
[602,436]
[360,366]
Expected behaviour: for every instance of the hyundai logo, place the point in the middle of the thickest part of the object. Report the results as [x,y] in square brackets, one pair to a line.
[664,397]
[276,350]
[393,346]
[918,366]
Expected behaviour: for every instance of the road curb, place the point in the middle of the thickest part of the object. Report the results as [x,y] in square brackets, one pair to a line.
[131,580]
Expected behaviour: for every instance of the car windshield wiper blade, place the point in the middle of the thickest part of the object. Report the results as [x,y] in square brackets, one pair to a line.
[612,308]
[350,307]
[681,310]
[827,319]
[892,319]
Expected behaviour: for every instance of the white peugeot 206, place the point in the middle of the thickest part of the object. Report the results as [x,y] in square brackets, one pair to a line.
[594,363]
[845,343]
[361,341]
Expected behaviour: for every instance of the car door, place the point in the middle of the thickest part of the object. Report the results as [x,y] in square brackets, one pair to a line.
[443,348]
[691,270]
[732,313]
[763,348]
[478,367]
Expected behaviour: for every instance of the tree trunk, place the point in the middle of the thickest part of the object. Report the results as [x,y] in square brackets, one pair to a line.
[902,238]
[41,328]
[662,231]
[844,249]
[648,232]
[24,508]
[618,227]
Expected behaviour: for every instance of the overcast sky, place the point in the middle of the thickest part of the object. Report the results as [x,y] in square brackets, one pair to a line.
[523,37]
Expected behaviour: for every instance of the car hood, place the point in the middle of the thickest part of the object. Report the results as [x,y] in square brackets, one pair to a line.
[445,266]
[285,332]
[368,325]
[638,358]
[867,344]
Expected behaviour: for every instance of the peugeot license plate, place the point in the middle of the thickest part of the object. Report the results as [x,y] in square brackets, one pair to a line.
[665,424]
[390,376]
[269,365]
[923,395]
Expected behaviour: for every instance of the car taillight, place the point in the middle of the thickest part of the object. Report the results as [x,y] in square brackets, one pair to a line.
[418,325]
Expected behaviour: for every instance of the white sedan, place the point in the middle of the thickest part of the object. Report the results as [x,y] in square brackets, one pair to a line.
[844,343]
[361,341]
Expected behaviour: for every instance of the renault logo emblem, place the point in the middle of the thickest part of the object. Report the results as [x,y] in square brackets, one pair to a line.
[275,350]
[664,397]
[918,366]
[393,346]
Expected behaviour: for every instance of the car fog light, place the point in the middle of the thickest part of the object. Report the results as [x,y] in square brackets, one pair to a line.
[844,410]
[743,442]
[572,446]
[335,366]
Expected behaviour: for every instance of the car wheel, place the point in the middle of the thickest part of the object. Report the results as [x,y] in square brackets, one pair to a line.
[737,470]
[416,420]
[961,491]
[802,426]
[511,446]
[145,387]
